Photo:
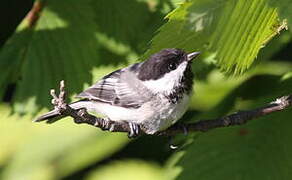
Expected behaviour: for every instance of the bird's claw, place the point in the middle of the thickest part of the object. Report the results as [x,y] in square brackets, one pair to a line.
[134,130]
[105,124]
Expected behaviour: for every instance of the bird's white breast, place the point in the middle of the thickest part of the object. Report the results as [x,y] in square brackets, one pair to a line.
[166,114]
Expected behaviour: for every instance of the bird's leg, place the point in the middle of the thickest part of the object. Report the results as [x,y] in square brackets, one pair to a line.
[134,130]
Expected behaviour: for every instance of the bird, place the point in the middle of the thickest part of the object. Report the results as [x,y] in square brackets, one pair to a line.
[154,93]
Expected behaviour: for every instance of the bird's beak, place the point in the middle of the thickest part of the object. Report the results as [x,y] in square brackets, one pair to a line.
[192,55]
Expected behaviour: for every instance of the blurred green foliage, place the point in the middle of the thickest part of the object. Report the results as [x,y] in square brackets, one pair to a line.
[246,63]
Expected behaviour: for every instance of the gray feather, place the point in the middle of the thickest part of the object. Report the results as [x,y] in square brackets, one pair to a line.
[120,88]
[50,117]
[53,116]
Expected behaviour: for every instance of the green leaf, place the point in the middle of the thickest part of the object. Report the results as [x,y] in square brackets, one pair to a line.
[91,150]
[127,170]
[69,40]
[204,98]
[38,151]
[269,87]
[238,41]
[12,56]
[261,149]
[62,46]
[126,28]
[234,30]
[284,8]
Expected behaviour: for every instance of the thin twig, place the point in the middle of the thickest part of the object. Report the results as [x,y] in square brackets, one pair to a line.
[239,118]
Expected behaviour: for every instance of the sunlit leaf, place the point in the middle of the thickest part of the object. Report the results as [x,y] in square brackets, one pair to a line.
[234,30]
[36,150]
[127,170]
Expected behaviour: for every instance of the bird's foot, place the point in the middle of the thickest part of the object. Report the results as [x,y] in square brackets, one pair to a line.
[105,124]
[134,130]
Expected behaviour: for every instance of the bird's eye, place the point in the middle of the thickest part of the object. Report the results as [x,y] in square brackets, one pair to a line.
[172,66]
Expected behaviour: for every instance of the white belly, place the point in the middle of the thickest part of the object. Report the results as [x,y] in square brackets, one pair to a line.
[154,116]
[169,114]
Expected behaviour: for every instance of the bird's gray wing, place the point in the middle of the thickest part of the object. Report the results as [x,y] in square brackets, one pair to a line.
[119,88]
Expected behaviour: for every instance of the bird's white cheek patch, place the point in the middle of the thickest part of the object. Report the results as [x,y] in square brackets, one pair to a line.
[168,81]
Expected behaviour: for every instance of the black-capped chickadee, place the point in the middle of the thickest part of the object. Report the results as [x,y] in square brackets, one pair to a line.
[153,94]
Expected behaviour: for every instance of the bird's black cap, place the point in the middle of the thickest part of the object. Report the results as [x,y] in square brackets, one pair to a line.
[163,62]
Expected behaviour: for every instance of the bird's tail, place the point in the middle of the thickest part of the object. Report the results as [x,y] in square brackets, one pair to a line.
[54,115]
[49,117]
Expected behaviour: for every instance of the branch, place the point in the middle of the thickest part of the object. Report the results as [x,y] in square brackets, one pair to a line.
[239,118]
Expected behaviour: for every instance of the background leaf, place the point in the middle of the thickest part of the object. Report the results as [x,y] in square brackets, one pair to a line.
[234,30]
[259,149]
[81,41]
[127,170]
[56,150]
[67,43]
